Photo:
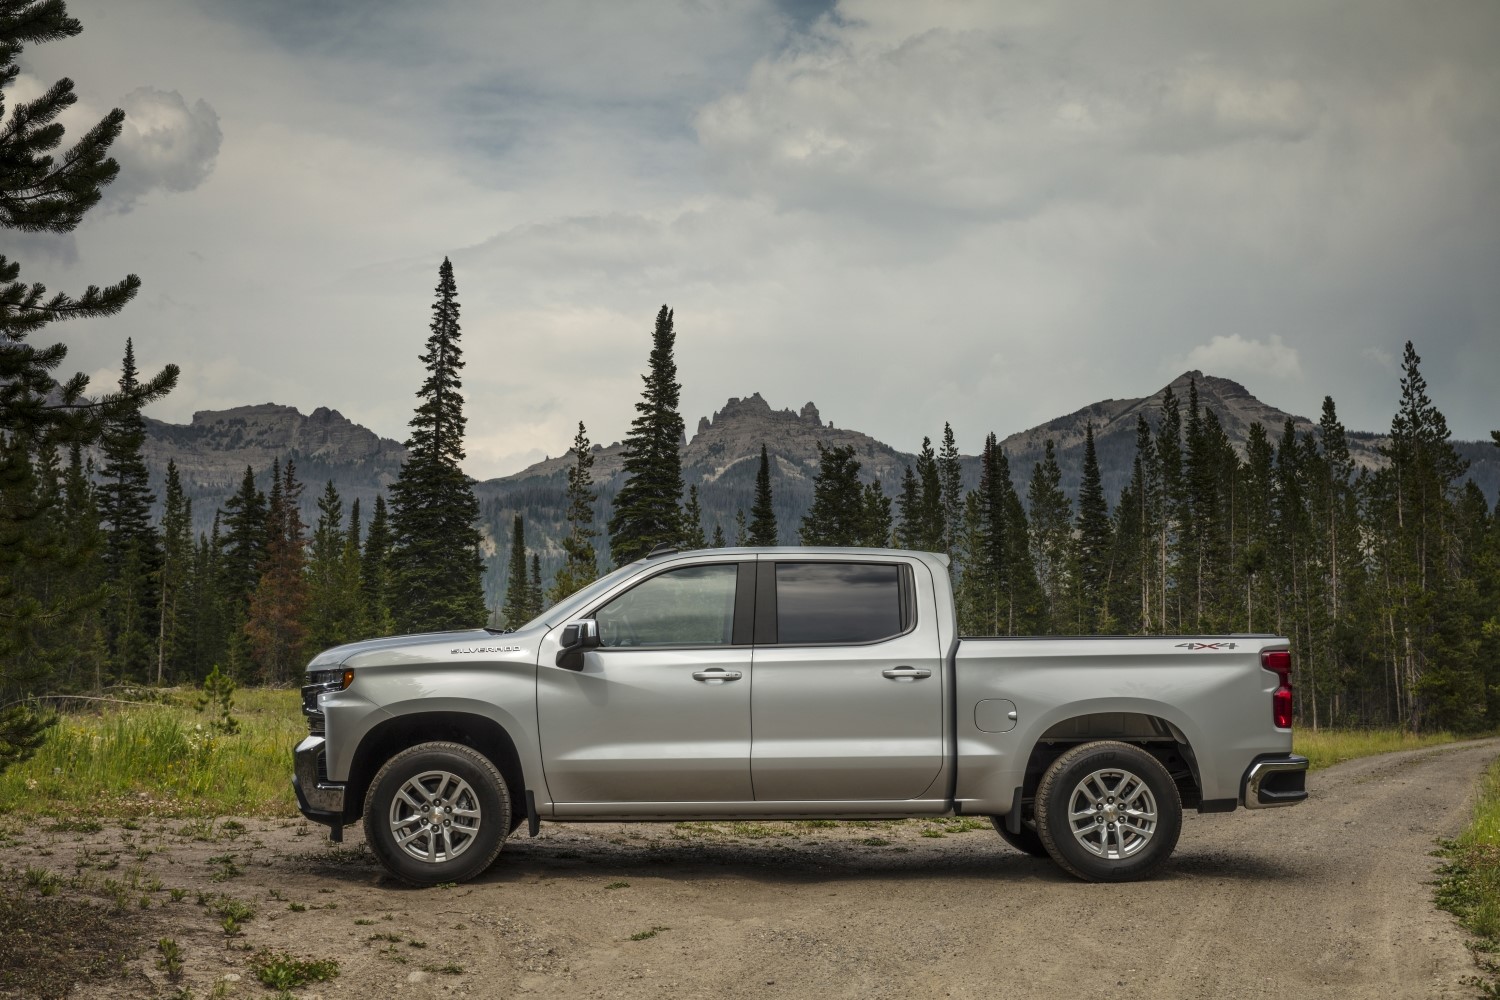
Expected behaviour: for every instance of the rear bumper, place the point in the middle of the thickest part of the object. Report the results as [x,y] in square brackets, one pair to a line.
[319,799]
[1275,781]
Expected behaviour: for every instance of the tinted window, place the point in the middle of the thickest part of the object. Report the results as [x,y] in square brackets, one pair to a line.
[693,606]
[837,602]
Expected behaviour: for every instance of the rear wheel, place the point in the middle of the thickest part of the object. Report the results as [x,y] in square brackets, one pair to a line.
[437,812]
[1108,812]
[1028,841]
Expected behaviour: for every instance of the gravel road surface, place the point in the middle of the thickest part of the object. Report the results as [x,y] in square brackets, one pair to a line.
[1327,899]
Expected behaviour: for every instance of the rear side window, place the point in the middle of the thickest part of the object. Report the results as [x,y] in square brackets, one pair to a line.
[826,602]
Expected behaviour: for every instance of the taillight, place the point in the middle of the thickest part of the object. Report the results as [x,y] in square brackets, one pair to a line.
[1279,662]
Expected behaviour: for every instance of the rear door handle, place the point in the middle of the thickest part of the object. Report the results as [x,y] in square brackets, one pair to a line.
[716,674]
[906,673]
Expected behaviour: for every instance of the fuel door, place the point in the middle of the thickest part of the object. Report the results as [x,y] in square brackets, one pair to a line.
[995,715]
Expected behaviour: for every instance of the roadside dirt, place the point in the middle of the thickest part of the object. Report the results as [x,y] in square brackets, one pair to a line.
[1329,899]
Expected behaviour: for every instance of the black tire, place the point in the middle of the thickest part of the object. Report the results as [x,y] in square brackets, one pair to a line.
[456,783]
[1028,841]
[1111,781]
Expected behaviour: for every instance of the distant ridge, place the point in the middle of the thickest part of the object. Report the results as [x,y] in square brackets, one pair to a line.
[212,451]
[721,457]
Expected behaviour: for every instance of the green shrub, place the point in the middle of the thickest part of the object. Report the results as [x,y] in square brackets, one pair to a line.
[283,971]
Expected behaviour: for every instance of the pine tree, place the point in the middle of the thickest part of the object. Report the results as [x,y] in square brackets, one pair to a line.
[951,487]
[926,530]
[534,588]
[1134,578]
[1025,601]
[208,625]
[981,592]
[646,510]
[375,573]
[718,540]
[50,581]
[274,623]
[40,192]
[762,512]
[514,610]
[244,520]
[1427,616]
[80,589]
[1166,514]
[1260,526]
[436,567]
[1121,605]
[974,593]
[334,606]
[741,533]
[132,553]
[1051,538]
[1094,540]
[1337,561]
[692,521]
[580,562]
[876,526]
[176,567]
[909,528]
[357,626]
[839,514]
[1191,550]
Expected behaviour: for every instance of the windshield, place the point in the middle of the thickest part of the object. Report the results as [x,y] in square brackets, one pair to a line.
[574,603]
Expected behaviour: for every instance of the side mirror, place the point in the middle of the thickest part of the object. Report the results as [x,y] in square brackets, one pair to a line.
[576,638]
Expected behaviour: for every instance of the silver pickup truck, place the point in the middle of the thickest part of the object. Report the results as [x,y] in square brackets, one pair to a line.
[789,683]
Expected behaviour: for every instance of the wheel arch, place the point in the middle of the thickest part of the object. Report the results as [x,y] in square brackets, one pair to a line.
[1155,733]
[393,735]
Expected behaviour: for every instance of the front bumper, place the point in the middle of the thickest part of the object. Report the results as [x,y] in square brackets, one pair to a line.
[319,799]
[1275,781]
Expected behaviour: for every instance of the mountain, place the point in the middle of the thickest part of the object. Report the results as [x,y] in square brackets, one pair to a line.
[211,454]
[1114,423]
[721,457]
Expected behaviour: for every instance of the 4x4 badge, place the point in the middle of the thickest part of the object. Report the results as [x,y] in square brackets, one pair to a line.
[1207,645]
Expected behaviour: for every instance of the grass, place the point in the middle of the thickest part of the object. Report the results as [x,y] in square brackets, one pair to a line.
[1469,881]
[162,760]
[166,760]
[1327,747]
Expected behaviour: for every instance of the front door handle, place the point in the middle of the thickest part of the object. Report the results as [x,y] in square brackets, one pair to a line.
[716,675]
[906,673]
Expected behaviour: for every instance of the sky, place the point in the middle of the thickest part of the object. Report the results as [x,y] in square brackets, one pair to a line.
[984,213]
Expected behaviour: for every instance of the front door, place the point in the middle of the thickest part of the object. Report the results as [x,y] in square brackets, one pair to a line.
[660,711]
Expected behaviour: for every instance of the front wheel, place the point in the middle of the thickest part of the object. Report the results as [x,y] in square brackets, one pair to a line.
[1108,812]
[437,812]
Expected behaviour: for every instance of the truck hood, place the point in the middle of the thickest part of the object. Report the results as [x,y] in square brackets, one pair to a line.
[433,648]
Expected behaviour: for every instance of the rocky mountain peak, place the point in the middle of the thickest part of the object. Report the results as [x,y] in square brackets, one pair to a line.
[212,452]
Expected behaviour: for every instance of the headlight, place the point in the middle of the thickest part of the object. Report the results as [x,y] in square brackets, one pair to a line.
[321,682]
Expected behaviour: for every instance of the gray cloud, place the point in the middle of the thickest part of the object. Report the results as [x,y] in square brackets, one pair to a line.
[989,214]
[166,144]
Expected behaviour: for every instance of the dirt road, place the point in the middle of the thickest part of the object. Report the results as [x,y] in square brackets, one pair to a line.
[1329,899]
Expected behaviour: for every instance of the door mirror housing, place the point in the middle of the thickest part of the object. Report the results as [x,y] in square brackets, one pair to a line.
[576,638]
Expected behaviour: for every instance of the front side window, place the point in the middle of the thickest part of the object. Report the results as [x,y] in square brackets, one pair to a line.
[692,606]
[820,602]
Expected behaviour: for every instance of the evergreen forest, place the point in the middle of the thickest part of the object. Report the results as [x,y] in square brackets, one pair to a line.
[1386,580]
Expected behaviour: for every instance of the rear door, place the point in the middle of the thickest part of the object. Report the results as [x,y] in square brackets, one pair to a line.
[660,711]
[847,701]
